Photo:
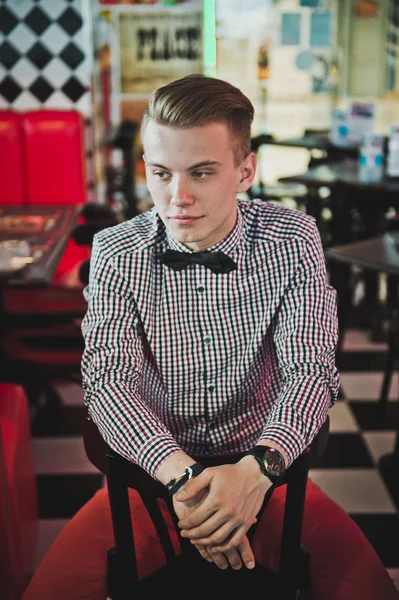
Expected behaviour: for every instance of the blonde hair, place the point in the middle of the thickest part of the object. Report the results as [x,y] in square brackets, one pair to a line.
[197,100]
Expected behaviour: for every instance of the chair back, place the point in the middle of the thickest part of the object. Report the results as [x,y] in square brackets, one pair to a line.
[122,474]
[101,455]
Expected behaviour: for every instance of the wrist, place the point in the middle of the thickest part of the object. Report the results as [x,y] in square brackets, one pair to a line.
[251,465]
[174,484]
[173,466]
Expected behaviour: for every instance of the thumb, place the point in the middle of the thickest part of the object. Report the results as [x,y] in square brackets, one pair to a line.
[190,489]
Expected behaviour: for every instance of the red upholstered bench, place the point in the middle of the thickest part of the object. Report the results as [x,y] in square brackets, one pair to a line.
[55,156]
[343,564]
[18,500]
[12,159]
[8,552]
[56,167]
[42,157]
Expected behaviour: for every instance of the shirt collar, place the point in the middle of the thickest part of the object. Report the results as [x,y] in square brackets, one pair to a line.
[226,245]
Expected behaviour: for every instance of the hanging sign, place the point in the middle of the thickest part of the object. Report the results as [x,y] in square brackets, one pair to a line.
[158,46]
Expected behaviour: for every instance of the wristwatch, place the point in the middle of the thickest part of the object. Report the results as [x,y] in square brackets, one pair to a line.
[271,462]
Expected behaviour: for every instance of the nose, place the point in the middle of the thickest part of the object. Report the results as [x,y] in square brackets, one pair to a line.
[181,192]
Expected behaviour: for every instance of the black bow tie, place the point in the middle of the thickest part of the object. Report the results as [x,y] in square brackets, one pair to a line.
[218,262]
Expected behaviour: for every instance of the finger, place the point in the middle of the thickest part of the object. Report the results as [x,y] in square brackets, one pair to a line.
[213,557]
[192,488]
[204,551]
[233,557]
[218,558]
[198,520]
[246,553]
[234,540]
[215,538]
[203,533]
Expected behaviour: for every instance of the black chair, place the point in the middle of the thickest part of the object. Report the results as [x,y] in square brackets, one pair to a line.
[188,573]
[83,235]
[278,193]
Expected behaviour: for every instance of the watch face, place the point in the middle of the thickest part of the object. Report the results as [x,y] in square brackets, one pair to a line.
[274,462]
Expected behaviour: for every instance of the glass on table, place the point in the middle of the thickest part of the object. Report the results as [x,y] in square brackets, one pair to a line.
[6,257]
[14,254]
[17,247]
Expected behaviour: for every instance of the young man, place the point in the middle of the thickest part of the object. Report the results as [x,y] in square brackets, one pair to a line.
[216,357]
[210,332]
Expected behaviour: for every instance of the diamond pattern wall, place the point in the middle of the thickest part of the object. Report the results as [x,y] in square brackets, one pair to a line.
[45,55]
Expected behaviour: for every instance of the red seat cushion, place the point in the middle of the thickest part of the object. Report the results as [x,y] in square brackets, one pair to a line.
[21,481]
[12,180]
[343,564]
[9,575]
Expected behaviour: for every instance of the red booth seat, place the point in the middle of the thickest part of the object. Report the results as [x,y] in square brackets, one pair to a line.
[8,551]
[55,159]
[12,180]
[42,158]
[56,173]
[18,512]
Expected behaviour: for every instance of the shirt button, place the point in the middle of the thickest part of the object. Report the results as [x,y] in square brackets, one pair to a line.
[211,388]
[212,425]
[200,289]
[207,340]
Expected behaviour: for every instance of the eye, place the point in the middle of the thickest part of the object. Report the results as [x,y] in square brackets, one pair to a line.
[160,174]
[199,174]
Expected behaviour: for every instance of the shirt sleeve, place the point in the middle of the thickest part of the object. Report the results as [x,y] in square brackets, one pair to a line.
[112,364]
[306,336]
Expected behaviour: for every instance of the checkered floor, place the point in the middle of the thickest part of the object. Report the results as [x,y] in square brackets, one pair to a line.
[348,472]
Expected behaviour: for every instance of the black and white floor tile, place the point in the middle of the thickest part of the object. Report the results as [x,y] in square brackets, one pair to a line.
[45,58]
[348,472]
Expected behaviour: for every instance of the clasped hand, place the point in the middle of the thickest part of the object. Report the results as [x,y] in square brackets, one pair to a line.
[216,509]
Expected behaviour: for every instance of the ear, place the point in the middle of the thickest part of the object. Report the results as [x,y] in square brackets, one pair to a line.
[247,172]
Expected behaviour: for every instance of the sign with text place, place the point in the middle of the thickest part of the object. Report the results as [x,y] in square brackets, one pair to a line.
[159,46]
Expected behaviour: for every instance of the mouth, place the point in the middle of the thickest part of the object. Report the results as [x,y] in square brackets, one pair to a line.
[185,220]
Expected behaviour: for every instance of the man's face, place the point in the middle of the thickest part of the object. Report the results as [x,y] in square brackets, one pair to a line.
[194,182]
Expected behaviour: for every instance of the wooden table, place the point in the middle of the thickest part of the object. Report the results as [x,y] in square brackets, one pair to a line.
[381,254]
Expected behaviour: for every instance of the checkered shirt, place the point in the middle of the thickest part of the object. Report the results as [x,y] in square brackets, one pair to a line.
[210,363]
